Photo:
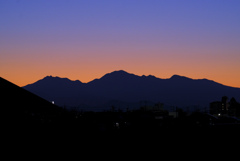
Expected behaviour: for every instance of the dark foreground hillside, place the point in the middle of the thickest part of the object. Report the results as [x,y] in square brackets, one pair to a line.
[23,109]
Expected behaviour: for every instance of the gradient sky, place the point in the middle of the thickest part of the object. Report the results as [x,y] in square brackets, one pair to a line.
[85,39]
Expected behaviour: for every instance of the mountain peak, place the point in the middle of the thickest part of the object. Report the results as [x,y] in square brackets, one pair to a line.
[56,78]
[50,77]
[178,77]
[54,81]
[118,74]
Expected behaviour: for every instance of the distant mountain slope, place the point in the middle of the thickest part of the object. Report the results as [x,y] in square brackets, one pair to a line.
[55,86]
[125,87]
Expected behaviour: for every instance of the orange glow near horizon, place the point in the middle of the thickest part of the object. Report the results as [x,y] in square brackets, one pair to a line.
[85,77]
[23,71]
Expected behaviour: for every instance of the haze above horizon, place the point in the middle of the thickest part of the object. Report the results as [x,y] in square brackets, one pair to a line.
[84,40]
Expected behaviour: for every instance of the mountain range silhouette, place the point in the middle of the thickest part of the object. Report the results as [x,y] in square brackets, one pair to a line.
[125,90]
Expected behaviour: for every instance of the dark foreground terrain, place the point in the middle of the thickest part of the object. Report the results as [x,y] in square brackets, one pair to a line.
[31,124]
[133,132]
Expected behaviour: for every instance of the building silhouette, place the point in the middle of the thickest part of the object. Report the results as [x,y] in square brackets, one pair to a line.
[225,108]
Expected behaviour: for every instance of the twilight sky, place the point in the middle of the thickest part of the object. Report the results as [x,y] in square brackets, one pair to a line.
[85,39]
